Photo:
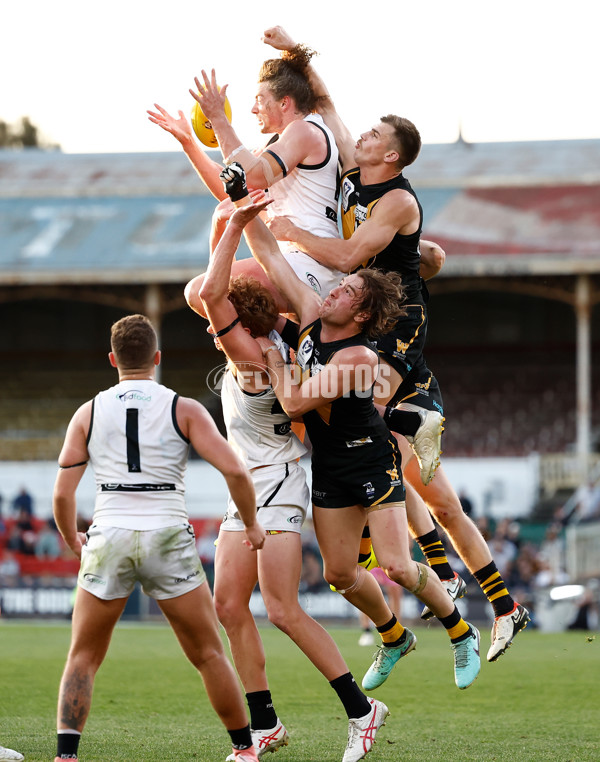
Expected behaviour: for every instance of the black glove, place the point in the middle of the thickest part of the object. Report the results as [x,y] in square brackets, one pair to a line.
[234,179]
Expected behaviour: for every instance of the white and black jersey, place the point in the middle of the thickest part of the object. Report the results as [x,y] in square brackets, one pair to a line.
[257,428]
[308,194]
[139,456]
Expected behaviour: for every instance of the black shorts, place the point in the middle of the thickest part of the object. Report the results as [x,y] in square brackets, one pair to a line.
[362,476]
[403,346]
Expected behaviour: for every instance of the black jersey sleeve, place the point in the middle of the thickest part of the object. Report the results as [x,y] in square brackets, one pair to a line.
[289,333]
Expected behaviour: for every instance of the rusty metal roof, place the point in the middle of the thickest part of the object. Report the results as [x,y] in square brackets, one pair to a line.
[496,208]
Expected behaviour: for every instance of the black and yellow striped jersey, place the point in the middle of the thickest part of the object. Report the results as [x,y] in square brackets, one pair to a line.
[346,424]
[402,254]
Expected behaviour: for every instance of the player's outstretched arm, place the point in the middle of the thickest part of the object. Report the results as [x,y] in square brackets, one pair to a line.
[72,463]
[207,169]
[197,425]
[239,346]
[395,209]
[279,39]
[217,229]
[300,141]
[220,218]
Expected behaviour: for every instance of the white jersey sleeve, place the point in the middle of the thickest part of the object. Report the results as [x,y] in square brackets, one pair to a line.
[308,194]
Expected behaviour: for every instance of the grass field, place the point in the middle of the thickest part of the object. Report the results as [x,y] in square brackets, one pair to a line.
[539,702]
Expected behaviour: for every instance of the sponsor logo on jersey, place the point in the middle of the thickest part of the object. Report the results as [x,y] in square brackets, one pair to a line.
[94,579]
[318,493]
[360,213]
[143,487]
[369,489]
[359,443]
[295,519]
[330,213]
[305,352]
[401,348]
[313,282]
[134,394]
[282,428]
[347,191]
[189,576]
[393,474]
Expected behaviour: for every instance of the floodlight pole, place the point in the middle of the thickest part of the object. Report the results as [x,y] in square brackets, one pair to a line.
[583,313]
[154,314]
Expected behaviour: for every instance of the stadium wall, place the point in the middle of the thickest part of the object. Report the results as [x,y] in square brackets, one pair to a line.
[499,487]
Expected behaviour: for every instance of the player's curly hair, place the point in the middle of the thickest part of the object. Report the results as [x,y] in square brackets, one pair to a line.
[288,76]
[407,138]
[254,304]
[133,341]
[381,298]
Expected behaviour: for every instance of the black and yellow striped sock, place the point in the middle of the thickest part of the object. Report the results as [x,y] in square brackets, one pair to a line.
[456,626]
[365,546]
[494,588]
[391,632]
[433,550]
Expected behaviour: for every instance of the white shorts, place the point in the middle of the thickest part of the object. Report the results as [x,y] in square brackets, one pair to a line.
[165,561]
[319,277]
[281,499]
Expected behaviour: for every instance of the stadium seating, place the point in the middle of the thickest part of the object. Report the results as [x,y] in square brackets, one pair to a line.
[490,412]
[67,565]
[514,410]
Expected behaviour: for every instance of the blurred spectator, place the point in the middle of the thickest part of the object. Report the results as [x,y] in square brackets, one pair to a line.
[22,538]
[513,533]
[523,575]
[309,538]
[503,550]
[83,523]
[588,502]
[587,609]
[311,580]
[483,524]
[551,565]
[205,545]
[48,545]
[9,569]
[23,502]
[466,502]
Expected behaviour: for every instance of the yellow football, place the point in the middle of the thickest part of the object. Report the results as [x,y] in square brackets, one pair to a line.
[203,127]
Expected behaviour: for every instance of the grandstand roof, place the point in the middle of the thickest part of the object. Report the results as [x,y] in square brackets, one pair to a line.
[497,208]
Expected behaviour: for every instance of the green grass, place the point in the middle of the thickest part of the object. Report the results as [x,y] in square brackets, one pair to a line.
[539,702]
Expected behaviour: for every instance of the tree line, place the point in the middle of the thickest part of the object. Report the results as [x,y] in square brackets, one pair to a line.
[23,134]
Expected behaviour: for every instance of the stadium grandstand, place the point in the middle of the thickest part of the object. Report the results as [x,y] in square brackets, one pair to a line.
[514,333]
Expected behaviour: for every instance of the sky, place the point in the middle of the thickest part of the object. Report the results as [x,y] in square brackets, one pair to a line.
[85,73]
